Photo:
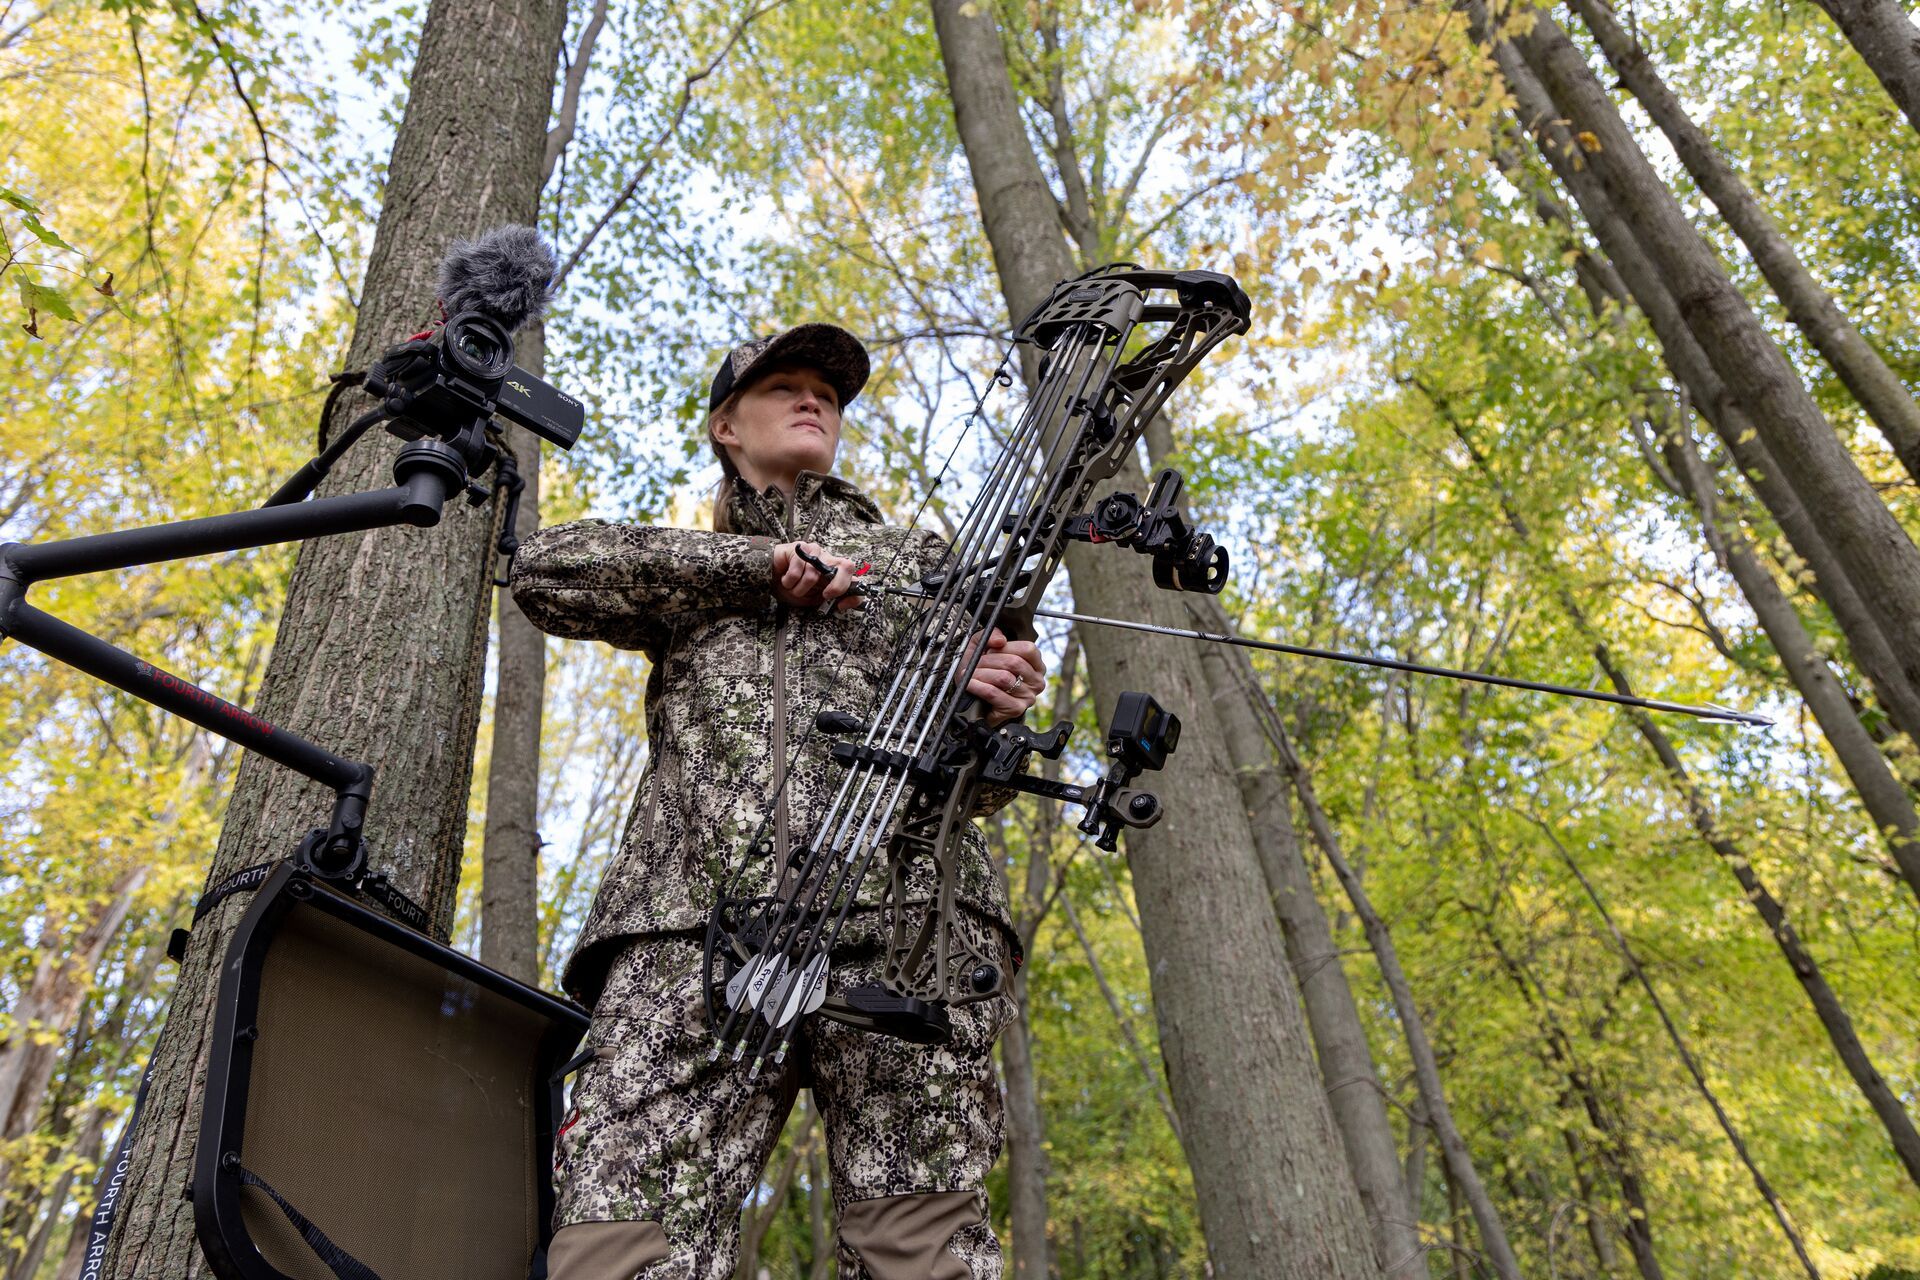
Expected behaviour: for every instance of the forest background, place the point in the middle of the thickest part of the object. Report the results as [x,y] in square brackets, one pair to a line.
[1494,412]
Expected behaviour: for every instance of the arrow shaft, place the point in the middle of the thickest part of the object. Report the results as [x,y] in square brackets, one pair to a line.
[1420,668]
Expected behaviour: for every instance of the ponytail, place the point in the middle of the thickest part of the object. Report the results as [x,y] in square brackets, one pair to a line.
[729,474]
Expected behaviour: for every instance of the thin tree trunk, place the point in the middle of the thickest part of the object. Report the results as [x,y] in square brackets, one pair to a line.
[1134,1047]
[382,643]
[88,1149]
[1699,1077]
[1885,798]
[1559,1056]
[1886,40]
[510,844]
[754,1224]
[1347,1069]
[1028,1168]
[1418,1132]
[1604,1255]
[1277,1200]
[1456,1227]
[1873,549]
[1462,1176]
[1632,273]
[1027,1165]
[824,1251]
[1810,307]
[51,1003]
[1826,1004]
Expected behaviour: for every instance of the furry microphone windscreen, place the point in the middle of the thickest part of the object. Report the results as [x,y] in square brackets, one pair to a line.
[507,274]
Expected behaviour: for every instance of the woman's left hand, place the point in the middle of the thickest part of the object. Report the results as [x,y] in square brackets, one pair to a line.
[1009,677]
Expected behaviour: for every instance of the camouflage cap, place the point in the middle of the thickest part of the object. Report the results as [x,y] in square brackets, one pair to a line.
[836,353]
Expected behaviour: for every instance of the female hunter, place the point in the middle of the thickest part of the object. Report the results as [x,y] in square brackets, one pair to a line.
[662,1147]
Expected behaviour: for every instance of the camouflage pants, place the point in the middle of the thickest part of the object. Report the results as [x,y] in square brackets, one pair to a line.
[662,1148]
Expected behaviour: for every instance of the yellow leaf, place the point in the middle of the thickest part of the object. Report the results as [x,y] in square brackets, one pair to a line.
[1587,141]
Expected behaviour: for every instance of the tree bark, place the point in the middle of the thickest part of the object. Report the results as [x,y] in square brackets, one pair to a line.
[381,646]
[1633,273]
[1277,1200]
[824,1251]
[1871,546]
[510,842]
[1027,1163]
[1810,307]
[1028,1168]
[1884,36]
[1347,1069]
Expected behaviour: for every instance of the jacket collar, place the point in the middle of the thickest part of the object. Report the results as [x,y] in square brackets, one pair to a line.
[765,511]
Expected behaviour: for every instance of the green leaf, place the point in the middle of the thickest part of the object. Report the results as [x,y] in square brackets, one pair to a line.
[17,200]
[47,236]
[42,297]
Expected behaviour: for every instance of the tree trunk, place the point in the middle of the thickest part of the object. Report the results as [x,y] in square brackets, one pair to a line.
[1811,308]
[1027,1164]
[1686,1055]
[1722,411]
[510,845]
[1347,1069]
[1028,1168]
[1581,1092]
[1462,1176]
[1148,1075]
[1873,549]
[825,1252]
[1886,800]
[1885,37]
[1277,1200]
[51,1003]
[755,1223]
[27,1267]
[1885,797]
[1826,1004]
[381,645]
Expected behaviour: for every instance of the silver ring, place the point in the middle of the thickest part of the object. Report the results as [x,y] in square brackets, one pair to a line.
[1019,683]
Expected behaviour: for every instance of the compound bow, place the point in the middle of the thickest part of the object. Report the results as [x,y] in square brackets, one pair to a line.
[1112,345]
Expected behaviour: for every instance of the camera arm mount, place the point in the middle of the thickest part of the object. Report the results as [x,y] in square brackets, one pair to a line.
[427,474]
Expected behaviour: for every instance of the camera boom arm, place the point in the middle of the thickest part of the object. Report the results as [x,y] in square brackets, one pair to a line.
[428,472]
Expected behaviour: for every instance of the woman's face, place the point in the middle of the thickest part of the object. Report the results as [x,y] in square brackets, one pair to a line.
[787,421]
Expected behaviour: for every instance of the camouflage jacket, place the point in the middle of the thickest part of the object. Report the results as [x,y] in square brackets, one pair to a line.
[736,680]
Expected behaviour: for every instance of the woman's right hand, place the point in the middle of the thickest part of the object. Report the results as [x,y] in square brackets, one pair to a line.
[800,584]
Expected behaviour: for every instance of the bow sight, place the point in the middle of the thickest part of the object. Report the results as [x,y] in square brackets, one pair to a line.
[1112,346]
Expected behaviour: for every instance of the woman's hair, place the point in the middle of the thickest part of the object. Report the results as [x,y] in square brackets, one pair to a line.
[729,474]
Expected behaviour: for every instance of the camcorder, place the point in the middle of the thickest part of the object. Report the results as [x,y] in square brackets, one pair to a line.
[464,370]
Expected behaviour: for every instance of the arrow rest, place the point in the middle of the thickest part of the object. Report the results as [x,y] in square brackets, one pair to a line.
[1183,558]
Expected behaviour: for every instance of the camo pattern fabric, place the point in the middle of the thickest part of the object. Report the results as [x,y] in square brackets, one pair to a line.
[657,1133]
[737,679]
